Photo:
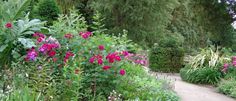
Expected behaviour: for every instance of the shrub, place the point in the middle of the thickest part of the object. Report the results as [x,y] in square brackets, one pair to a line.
[228,87]
[208,57]
[167,57]
[71,63]
[145,87]
[17,39]
[204,75]
[46,10]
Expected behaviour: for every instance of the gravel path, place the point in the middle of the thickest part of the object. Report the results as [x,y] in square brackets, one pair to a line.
[192,92]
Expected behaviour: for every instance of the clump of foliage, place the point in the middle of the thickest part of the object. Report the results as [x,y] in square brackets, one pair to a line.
[204,67]
[144,86]
[167,56]
[228,87]
[18,38]
[204,75]
[227,84]
[46,10]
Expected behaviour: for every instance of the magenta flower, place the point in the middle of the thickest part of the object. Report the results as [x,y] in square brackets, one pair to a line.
[52,53]
[112,57]
[68,55]
[122,72]
[40,39]
[37,34]
[8,25]
[31,54]
[106,67]
[226,65]
[91,60]
[101,47]
[125,53]
[100,61]
[98,58]
[85,35]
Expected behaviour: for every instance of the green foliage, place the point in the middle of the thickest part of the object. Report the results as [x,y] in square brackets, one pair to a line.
[168,56]
[200,22]
[46,10]
[203,75]
[208,57]
[24,94]
[69,23]
[145,20]
[145,87]
[66,5]
[11,10]
[228,87]
[14,38]
[230,73]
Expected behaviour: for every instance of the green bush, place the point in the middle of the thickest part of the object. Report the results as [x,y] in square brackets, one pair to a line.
[46,10]
[228,87]
[231,73]
[168,56]
[204,75]
[145,86]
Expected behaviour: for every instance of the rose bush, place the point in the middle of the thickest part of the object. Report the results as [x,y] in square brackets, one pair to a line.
[67,62]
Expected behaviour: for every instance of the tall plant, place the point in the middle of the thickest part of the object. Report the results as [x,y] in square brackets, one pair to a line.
[13,9]
[17,34]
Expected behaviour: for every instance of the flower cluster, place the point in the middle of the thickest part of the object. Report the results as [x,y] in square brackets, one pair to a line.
[234,61]
[137,58]
[226,65]
[112,57]
[68,55]
[31,54]
[48,47]
[40,37]
[85,35]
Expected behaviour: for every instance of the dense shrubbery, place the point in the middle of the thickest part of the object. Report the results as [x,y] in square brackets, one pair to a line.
[228,87]
[204,67]
[148,87]
[227,84]
[67,62]
[167,56]
[204,75]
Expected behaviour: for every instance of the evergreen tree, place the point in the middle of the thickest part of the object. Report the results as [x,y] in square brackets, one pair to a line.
[46,10]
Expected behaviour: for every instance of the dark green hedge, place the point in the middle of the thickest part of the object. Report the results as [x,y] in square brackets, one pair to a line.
[166,59]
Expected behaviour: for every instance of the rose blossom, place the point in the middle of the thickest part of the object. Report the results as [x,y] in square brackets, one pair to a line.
[8,25]
[122,72]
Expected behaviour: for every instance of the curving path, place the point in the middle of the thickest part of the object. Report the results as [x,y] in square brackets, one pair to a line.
[192,92]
